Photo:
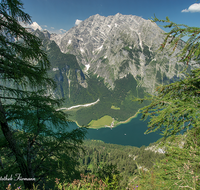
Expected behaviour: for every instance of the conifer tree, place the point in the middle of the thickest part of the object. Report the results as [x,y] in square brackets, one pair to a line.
[176,106]
[43,145]
[174,111]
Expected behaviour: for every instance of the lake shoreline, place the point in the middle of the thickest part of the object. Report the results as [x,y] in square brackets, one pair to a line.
[119,123]
[129,132]
[129,119]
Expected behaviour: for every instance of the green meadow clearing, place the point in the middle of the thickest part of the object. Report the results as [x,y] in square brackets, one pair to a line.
[105,120]
[115,108]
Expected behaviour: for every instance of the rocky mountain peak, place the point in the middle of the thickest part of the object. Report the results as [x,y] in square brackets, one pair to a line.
[95,30]
[46,34]
[113,59]
[114,46]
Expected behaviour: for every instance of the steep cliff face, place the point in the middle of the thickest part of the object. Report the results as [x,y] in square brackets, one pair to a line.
[111,59]
[113,47]
[65,70]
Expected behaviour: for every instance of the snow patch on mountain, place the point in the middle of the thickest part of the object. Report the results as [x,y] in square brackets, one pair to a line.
[69,42]
[87,67]
[78,22]
[98,49]
[82,50]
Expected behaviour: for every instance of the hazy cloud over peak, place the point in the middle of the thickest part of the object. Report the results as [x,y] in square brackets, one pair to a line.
[78,22]
[63,31]
[59,31]
[34,25]
[192,8]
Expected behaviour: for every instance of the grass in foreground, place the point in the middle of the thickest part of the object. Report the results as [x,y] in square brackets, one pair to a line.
[146,180]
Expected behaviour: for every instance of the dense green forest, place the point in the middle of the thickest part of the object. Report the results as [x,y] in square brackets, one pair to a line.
[127,159]
[101,160]
[120,97]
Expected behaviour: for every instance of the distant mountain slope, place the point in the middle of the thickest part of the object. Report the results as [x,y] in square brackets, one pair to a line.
[113,59]
[115,46]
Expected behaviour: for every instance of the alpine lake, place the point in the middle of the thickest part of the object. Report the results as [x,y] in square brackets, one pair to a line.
[130,133]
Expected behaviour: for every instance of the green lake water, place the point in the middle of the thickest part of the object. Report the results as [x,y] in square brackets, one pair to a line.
[131,133]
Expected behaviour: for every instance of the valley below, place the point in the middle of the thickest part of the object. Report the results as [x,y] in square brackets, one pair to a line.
[103,122]
[104,63]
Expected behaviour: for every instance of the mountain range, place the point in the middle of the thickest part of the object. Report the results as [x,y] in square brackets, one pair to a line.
[111,59]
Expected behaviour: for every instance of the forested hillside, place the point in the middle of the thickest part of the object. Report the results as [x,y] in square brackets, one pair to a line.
[127,159]
[102,160]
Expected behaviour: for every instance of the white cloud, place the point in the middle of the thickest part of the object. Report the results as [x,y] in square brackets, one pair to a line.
[184,10]
[34,25]
[78,22]
[60,31]
[192,8]
[63,31]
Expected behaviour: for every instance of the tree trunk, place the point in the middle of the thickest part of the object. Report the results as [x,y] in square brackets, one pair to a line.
[2,167]
[14,147]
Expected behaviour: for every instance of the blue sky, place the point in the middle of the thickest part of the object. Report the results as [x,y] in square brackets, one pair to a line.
[60,15]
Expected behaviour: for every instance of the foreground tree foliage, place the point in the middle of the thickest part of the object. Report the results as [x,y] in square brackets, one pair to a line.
[106,160]
[31,143]
[175,111]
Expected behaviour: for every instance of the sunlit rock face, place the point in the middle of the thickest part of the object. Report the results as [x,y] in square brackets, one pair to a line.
[111,59]
[111,48]
[115,46]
